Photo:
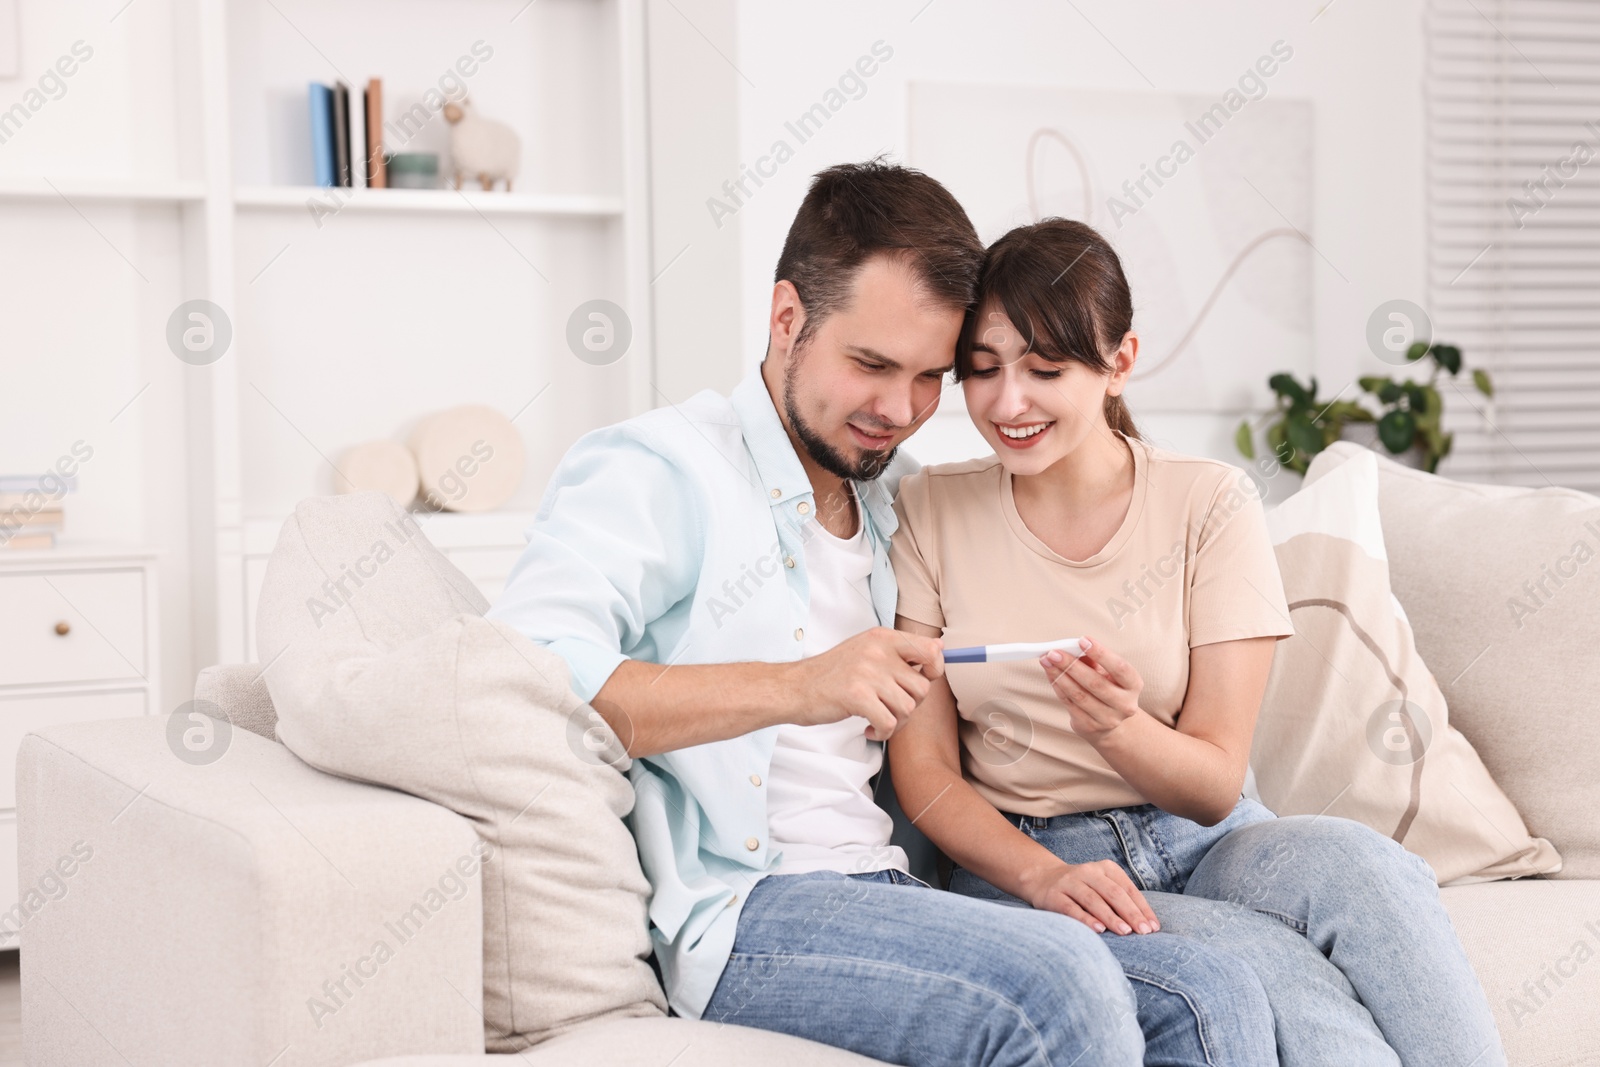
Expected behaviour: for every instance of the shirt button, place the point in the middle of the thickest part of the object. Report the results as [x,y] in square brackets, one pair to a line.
[799,633]
[802,507]
[751,843]
[755,779]
[776,493]
[788,561]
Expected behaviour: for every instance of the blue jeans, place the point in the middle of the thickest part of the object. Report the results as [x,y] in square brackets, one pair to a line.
[1343,926]
[887,967]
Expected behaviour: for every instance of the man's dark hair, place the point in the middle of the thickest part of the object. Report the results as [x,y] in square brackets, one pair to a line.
[854,211]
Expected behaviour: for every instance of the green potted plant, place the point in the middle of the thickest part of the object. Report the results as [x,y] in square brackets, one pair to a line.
[1408,415]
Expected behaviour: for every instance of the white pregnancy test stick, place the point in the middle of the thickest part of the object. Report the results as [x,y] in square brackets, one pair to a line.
[1072,646]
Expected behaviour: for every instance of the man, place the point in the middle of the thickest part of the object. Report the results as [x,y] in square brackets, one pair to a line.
[716,577]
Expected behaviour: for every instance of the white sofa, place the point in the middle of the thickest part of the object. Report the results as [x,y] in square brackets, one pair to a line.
[202,923]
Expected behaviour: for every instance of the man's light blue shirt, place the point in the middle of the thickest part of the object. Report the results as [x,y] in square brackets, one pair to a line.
[678,537]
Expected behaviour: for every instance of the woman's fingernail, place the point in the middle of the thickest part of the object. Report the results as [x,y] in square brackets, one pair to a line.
[1125,928]
[1086,643]
[1144,928]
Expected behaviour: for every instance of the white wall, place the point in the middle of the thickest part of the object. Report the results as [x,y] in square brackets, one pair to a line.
[694,145]
[1359,65]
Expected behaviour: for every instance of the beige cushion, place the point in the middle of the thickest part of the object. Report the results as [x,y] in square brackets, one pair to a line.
[399,680]
[657,1043]
[1520,666]
[1535,946]
[1353,724]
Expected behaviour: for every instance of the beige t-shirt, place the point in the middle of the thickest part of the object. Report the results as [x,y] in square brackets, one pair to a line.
[1191,564]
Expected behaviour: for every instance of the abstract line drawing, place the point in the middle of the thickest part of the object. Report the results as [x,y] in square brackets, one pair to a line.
[1211,229]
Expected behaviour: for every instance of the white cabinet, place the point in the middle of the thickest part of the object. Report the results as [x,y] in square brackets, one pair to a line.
[79,641]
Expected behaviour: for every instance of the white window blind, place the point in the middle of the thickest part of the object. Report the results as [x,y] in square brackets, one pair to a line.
[1513,158]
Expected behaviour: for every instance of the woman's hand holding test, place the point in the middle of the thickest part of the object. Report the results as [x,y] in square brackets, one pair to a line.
[1100,689]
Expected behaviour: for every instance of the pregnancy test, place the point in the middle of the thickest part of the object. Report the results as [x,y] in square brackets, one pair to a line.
[1072,646]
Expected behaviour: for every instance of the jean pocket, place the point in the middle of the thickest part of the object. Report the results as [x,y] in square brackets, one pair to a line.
[902,878]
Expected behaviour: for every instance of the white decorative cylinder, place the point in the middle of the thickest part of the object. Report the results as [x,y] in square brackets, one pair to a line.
[469,458]
[387,466]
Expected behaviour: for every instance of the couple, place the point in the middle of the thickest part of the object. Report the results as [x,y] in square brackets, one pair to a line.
[755,592]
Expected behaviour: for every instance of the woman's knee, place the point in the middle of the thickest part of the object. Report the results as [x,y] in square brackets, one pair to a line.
[1348,850]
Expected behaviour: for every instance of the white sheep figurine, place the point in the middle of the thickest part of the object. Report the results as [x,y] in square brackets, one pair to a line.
[481,147]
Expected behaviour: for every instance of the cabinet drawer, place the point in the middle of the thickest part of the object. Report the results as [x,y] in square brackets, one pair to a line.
[103,613]
[19,715]
[8,879]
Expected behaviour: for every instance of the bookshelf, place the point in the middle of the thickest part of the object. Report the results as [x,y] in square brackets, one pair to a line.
[553,205]
[177,167]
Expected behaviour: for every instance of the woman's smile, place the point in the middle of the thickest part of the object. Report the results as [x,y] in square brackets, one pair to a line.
[1024,435]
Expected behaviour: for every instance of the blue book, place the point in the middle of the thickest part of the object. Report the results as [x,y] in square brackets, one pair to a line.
[27,483]
[321,98]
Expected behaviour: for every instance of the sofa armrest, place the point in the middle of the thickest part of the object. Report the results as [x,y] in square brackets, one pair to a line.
[240,691]
[245,910]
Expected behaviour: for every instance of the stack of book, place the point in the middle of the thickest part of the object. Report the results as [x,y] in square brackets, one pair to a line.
[31,513]
[346,140]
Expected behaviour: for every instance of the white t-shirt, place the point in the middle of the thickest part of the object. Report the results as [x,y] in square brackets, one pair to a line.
[820,811]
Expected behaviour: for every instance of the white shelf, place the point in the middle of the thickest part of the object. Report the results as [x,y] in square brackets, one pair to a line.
[75,190]
[432,201]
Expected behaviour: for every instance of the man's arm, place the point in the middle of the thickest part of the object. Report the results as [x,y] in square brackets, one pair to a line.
[615,546]
[880,675]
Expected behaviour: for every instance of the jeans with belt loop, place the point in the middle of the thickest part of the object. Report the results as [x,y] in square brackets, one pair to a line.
[1343,926]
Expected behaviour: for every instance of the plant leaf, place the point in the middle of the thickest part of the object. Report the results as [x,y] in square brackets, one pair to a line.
[1417,350]
[1286,386]
[1480,378]
[1304,437]
[1242,441]
[1396,430]
[1448,357]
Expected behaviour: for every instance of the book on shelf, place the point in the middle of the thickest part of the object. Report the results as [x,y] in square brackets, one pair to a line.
[32,521]
[31,514]
[322,162]
[347,135]
[341,135]
[377,166]
[17,488]
[356,120]
[18,542]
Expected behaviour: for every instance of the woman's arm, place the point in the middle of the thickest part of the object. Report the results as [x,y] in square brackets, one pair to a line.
[925,764]
[1195,770]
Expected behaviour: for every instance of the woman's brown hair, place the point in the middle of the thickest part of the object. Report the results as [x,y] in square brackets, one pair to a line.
[1062,285]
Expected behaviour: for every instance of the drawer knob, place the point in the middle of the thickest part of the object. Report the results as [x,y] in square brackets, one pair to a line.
[63,628]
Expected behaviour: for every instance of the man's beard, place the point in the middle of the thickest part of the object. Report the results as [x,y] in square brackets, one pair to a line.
[873,461]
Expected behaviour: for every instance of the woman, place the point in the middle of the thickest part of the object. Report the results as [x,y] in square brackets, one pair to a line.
[1108,788]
